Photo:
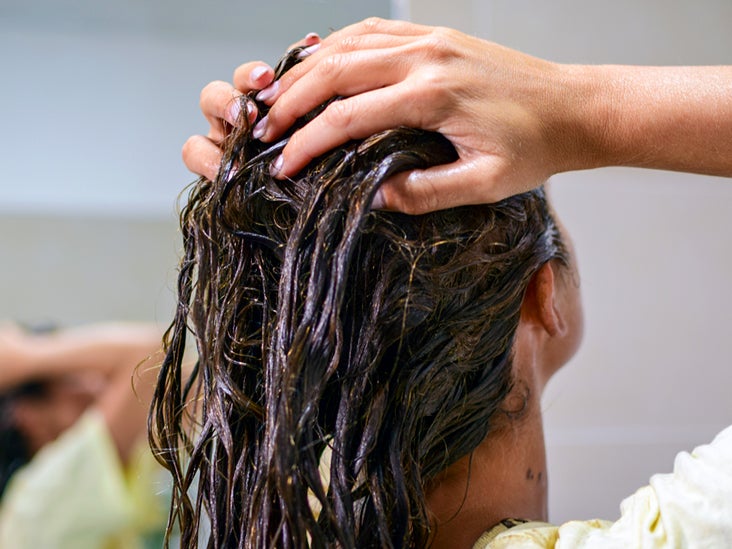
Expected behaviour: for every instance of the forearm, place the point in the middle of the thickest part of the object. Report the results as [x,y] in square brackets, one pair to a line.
[125,402]
[102,347]
[672,118]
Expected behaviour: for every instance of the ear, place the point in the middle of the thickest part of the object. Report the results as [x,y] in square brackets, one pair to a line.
[540,302]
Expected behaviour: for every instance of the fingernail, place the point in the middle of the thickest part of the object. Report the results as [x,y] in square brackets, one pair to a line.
[260,128]
[257,72]
[269,92]
[308,51]
[276,166]
[232,113]
[378,202]
[251,111]
[310,37]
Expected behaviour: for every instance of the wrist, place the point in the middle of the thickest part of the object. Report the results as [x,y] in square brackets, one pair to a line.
[583,121]
[671,118]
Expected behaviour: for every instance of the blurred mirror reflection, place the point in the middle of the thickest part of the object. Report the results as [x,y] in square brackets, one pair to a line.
[97,100]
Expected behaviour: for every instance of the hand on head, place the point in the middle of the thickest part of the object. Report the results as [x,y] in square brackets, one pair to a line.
[220,104]
[514,119]
[491,102]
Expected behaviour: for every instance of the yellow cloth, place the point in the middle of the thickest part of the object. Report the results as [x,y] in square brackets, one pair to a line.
[689,508]
[75,494]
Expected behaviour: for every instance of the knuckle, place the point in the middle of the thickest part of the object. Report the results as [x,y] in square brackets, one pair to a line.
[430,201]
[399,200]
[205,93]
[411,207]
[188,150]
[431,80]
[445,33]
[423,197]
[297,149]
[436,46]
[280,116]
[240,78]
[211,91]
[350,43]
[405,207]
[421,205]
[439,45]
[339,114]
[431,87]
[242,73]
[373,24]
[332,66]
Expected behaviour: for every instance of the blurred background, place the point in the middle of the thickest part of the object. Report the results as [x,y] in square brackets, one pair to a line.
[99,96]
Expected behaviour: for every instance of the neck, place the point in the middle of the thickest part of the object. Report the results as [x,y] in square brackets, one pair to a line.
[504,477]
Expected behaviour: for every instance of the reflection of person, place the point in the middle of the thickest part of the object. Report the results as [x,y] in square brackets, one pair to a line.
[514,121]
[71,424]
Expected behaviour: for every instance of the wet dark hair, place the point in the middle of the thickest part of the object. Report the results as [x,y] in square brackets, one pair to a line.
[15,451]
[321,324]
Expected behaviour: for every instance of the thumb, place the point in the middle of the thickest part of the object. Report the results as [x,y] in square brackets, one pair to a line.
[478,180]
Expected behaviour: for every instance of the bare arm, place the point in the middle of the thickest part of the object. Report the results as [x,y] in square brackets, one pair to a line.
[125,402]
[127,355]
[100,347]
[673,118]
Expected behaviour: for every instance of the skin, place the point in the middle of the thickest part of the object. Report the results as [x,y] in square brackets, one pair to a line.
[505,477]
[88,366]
[514,119]
[43,419]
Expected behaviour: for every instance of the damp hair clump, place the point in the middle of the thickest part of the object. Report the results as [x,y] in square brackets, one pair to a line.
[15,449]
[324,327]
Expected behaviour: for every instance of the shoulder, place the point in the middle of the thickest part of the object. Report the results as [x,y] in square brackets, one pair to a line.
[74,490]
[690,506]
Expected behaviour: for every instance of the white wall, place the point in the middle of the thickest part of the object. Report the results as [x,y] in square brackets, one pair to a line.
[655,252]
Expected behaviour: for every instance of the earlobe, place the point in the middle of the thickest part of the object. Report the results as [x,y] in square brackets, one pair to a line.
[540,303]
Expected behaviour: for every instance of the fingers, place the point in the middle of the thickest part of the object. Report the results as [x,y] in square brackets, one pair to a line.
[310,39]
[375,25]
[368,57]
[202,156]
[357,59]
[326,62]
[220,102]
[253,76]
[476,181]
[351,118]
[340,75]
[373,33]
[256,75]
